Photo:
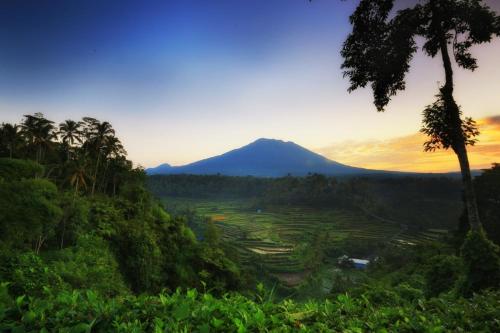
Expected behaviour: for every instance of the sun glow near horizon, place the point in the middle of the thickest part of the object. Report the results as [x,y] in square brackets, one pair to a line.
[406,153]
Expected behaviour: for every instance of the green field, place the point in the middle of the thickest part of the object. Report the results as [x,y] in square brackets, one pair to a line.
[275,239]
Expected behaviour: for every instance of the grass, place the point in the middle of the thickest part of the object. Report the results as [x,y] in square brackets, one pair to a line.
[275,238]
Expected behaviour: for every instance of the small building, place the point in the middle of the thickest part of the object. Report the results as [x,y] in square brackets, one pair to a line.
[360,263]
[345,261]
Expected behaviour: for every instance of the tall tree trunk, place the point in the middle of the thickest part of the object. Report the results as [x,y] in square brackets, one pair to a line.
[102,186]
[76,188]
[63,231]
[95,172]
[458,140]
[39,243]
[38,154]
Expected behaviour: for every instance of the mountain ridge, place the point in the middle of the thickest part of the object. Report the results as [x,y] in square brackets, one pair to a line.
[265,158]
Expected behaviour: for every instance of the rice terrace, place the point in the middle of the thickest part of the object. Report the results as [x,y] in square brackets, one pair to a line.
[276,238]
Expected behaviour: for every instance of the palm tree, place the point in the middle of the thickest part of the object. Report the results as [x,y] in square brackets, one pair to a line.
[78,174]
[39,132]
[11,137]
[112,150]
[70,133]
[97,134]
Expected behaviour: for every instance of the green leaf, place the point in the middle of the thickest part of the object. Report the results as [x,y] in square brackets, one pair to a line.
[80,328]
[241,327]
[20,300]
[204,328]
[181,312]
[29,317]
[192,293]
[217,322]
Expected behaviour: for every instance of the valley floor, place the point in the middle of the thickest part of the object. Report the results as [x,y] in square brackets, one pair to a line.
[279,239]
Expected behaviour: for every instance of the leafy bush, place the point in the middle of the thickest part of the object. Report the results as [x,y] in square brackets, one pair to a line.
[90,264]
[14,169]
[190,311]
[28,274]
[442,274]
[29,212]
[140,256]
[74,222]
[482,263]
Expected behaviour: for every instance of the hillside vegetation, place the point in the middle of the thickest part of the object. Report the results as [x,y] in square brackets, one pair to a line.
[84,247]
[417,202]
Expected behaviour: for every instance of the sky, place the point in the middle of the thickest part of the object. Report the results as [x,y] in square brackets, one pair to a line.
[185,80]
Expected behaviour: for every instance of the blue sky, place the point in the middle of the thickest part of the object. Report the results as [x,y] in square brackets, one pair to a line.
[184,80]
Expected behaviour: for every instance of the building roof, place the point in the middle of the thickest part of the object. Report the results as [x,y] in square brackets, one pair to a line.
[360,261]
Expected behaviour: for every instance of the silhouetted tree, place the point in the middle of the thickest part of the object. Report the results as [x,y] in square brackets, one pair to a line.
[10,137]
[39,133]
[98,137]
[379,50]
[70,133]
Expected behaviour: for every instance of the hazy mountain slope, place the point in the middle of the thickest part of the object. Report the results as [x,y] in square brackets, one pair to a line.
[266,158]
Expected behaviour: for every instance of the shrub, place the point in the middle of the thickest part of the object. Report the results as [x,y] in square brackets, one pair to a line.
[90,264]
[191,311]
[482,263]
[14,169]
[29,212]
[442,274]
[28,274]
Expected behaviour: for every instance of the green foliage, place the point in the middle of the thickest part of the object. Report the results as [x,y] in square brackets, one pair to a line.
[487,188]
[140,256]
[191,311]
[29,212]
[29,274]
[381,45]
[14,169]
[100,239]
[89,264]
[212,233]
[217,271]
[420,202]
[438,126]
[74,221]
[104,217]
[442,274]
[482,263]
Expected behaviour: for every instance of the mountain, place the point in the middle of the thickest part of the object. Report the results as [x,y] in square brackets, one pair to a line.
[264,158]
[161,169]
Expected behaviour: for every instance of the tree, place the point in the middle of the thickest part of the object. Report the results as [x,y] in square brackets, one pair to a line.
[487,187]
[70,133]
[78,174]
[212,233]
[379,50]
[98,136]
[112,151]
[39,133]
[10,137]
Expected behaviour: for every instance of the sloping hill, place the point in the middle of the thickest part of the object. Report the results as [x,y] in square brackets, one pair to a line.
[264,158]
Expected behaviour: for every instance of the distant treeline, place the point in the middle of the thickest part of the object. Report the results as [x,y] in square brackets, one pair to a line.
[422,202]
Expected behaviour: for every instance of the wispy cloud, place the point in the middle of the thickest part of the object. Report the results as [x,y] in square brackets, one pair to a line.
[406,153]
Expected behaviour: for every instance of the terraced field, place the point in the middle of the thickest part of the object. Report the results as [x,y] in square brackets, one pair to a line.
[275,238]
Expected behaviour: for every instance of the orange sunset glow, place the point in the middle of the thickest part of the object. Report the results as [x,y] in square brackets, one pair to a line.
[406,153]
